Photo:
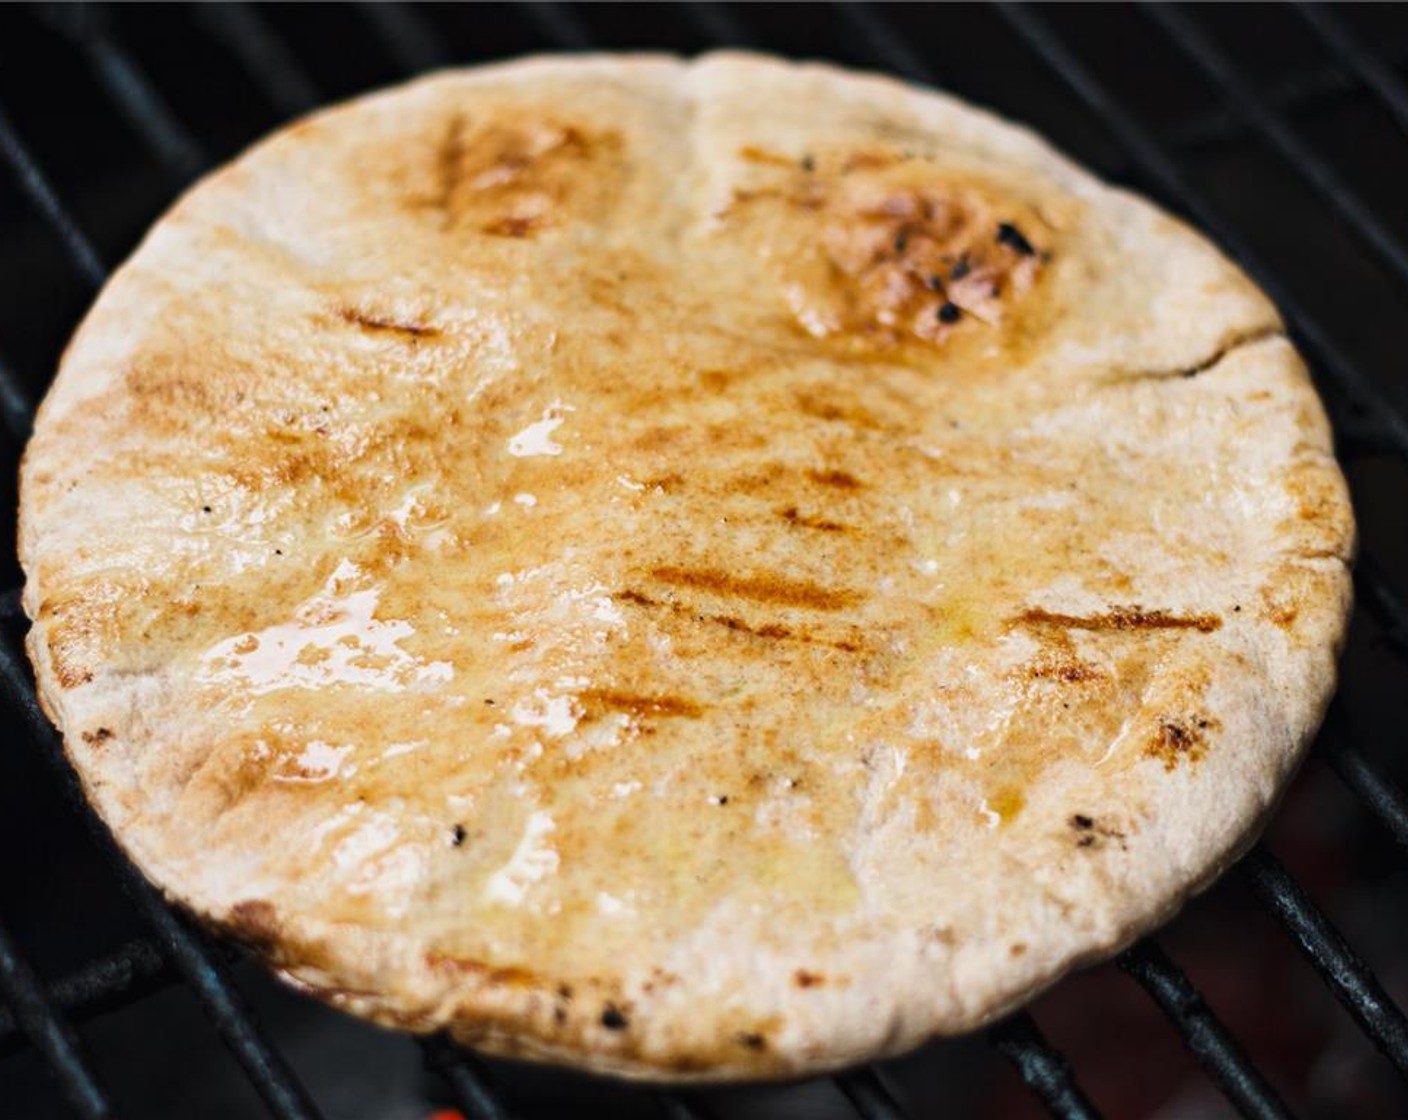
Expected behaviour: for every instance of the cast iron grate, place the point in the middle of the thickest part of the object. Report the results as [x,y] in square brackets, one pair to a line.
[1246,110]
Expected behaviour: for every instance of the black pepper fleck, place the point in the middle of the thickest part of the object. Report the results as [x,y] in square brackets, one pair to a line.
[961,269]
[1080,820]
[612,1019]
[1011,236]
[902,241]
[752,1040]
[205,509]
[950,312]
[457,835]
[808,163]
[489,702]
[936,283]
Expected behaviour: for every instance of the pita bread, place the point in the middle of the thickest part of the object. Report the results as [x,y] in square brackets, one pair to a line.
[688,569]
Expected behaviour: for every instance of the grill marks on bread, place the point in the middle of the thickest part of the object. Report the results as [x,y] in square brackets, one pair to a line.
[386,324]
[769,588]
[1123,618]
[849,641]
[639,704]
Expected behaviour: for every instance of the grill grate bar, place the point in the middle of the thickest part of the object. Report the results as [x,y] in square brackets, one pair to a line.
[560,23]
[1375,788]
[470,1084]
[883,42]
[244,32]
[88,28]
[408,39]
[1216,1050]
[868,1094]
[1386,604]
[192,957]
[676,1106]
[1298,92]
[1214,63]
[54,1039]
[1159,168]
[724,27]
[1338,965]
[1357,56]
[116,980]
[1044,1070]
[16,408]
[36,187]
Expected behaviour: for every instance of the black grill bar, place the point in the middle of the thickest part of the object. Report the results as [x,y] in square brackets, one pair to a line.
[677,1106]
[408,39]
[1375,788]
[1213,62]
[1379,792]
[869,1095]
[1338,965]
[198,964]
[1356,55]
[1218,1052]
[115,980]
[16,409]
[560,23]
[86,26]
[35,186]
[1299,91]
[470,1085]
[1160,169]
[882,41]
[1043,1069]
[719,24]
[1387,606]
[53,1037]
[262,54]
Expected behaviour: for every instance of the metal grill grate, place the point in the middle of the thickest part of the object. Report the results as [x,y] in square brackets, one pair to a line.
[1368,419]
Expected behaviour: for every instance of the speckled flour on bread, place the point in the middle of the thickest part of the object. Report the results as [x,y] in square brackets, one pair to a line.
[690,569]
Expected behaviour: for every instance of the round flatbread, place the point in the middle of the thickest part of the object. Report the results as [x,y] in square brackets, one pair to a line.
[689,569]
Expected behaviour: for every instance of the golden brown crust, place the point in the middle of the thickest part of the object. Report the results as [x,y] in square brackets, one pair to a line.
[556,553]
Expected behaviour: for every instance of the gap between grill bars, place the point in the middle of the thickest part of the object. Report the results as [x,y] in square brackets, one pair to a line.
[411,41]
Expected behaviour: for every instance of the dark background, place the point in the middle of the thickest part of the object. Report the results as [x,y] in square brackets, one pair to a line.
[201,83]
